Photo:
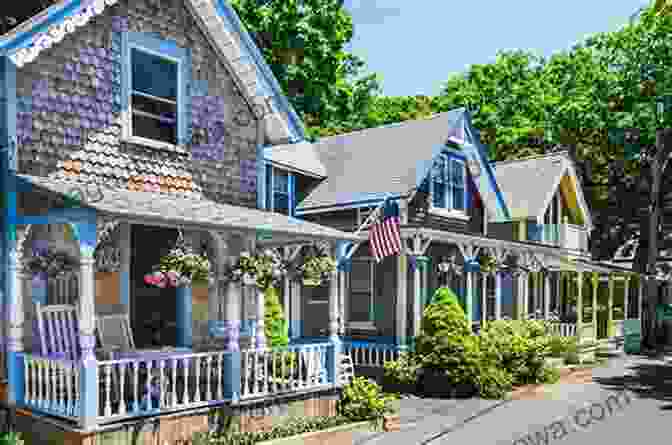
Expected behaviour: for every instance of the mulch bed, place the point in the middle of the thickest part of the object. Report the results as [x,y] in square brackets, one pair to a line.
[540,392]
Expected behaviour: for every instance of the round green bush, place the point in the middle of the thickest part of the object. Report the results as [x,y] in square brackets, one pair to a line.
[363,399]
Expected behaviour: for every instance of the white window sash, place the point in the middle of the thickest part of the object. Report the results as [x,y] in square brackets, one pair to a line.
[130,92]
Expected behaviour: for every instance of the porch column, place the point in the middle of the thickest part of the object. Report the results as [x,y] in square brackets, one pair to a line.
[498,295]
[183,296]
[596,283]
[15,321]
[259,332]
[402,271]
[579,305]
[39,290]
[232,359]
[547,294]
[296,326]
[88,385]
[610,307]
[523,284]
[484,298]
[334,359]
[125,265]
[342,286]
[640,293]
[286,297]
[626,298]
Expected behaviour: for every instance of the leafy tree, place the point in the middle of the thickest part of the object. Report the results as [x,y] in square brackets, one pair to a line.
[303,41]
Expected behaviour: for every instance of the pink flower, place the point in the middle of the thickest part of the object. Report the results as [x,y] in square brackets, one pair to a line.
[149,279]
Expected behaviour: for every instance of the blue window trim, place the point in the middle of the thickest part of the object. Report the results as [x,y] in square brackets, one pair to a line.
[166,49]
[451,157]
[269,189]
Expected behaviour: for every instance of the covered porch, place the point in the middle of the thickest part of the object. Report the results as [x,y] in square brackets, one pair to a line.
[523,280]
[205,348]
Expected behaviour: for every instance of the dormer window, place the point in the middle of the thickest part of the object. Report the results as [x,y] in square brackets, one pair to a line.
[447,184]
[280,191]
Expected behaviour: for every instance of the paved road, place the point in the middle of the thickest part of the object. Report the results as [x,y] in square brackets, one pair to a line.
[556,416]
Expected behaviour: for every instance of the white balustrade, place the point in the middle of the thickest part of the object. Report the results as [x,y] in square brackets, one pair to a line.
[64,288]
[563,329]
[136,386]
[271,371]
[370,354]
[52,385]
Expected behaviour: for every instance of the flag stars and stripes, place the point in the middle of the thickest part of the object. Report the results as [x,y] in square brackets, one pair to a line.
[385,234]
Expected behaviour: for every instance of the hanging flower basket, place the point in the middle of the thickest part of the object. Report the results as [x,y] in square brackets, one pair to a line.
[262,269]
[180,267]
[317,268]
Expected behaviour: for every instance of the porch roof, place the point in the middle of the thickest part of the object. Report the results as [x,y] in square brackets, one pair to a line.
[163,209]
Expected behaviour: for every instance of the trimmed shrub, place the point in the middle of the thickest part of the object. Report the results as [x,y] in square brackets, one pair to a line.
[443,333]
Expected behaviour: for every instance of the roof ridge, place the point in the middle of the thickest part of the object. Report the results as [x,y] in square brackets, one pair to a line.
[392,124]
[562,153]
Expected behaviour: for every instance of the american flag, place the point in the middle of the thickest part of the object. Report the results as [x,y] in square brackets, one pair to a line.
[385,233]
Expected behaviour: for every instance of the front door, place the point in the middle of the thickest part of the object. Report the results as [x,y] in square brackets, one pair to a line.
[153,310]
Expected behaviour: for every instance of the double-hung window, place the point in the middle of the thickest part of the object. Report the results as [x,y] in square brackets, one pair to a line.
[447,184]
[360,305]
[154,91]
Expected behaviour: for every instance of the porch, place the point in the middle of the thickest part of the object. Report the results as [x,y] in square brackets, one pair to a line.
[582,299]
[211,349]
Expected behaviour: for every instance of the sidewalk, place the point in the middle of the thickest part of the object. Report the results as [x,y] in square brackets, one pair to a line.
[436,420]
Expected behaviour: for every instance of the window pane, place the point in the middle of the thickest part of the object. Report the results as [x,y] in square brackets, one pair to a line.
[457,173]
[153,97]
[280,181]
[152,128]
[269,194]
[360,276]
[153,75]
[439,195]
[281,203]
[458,198]
[359,306]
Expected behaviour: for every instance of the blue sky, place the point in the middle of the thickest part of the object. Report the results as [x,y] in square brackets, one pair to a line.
[416,44]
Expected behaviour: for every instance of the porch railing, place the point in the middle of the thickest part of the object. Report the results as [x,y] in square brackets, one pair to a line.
[370,354]
[133,387]
[284,370]
[563,329]
[64,289]
[52,386]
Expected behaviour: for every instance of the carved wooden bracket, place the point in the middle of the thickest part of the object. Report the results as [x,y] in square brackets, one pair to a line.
[469,251]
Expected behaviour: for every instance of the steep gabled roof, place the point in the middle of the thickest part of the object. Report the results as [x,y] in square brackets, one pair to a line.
[528,184]
[220,24]
[389,161]
[300,157]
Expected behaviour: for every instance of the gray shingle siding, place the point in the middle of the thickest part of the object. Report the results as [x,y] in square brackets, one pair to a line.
[108,160]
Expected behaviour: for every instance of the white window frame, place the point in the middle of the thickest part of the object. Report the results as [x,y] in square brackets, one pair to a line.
[363,325]
[127,115]
[448,210]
